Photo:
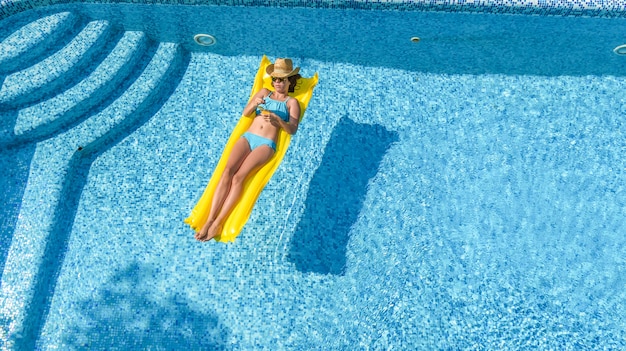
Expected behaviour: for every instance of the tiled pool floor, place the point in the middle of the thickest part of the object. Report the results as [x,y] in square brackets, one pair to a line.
[414,209]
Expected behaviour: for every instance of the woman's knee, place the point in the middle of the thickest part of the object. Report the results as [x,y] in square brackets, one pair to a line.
[238,178]
[228,174]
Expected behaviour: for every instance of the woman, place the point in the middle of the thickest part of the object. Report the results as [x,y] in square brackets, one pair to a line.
[270,110]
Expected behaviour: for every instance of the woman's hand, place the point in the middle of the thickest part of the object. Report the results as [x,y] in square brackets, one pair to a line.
[253,104]
[273,118]
[258,101]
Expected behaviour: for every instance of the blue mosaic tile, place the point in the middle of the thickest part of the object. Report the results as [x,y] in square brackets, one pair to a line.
[488,214]
[52,114]
[31,83]
[30,41]
[593,8]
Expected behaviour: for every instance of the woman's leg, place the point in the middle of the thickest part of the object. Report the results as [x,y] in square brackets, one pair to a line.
[257,158]
[240,150]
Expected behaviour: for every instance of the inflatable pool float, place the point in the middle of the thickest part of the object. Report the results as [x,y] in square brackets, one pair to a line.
[255,183]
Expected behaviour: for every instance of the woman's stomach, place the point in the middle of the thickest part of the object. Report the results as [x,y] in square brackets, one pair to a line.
[263,128]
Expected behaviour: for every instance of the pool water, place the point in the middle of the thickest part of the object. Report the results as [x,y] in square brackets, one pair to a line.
[463,192]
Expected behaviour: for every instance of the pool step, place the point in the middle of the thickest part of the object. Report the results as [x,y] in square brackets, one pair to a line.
[53,115]
[50,199]
[139,96]
[58,70]
[28,44]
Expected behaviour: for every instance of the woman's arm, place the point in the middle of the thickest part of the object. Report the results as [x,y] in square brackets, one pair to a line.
[257,99]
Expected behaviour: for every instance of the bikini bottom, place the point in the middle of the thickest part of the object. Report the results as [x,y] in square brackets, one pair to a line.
[255,141]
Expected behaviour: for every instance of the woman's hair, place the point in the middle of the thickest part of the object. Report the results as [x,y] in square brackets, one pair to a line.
[293,81]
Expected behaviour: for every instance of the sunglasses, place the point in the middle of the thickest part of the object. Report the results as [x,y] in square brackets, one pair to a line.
[279,80]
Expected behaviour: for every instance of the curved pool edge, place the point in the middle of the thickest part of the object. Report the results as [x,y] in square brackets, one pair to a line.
[450,42]
[596,8]
[296,260]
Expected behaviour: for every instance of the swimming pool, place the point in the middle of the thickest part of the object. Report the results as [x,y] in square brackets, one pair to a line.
[465,191]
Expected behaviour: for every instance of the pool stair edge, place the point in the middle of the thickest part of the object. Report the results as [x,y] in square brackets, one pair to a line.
[57,70]
[53,116]
[58,173]
[31,43]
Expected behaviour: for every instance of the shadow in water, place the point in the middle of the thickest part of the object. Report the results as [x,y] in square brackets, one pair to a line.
[78,170]
[8,119]
[124,315]
[450,43]
[15,165]
[336,195]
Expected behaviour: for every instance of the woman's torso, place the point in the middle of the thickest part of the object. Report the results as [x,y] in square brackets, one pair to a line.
[263,128]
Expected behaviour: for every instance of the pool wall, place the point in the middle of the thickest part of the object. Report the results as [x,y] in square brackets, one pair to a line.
[451,43]
[443,114]
[593,8]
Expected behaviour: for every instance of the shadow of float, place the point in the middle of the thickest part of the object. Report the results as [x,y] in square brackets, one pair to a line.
[336,194]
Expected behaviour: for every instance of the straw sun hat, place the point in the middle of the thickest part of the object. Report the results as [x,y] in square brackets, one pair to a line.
[282,68]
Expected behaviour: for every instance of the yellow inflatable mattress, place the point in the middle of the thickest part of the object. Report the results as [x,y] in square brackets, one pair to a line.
[254,184]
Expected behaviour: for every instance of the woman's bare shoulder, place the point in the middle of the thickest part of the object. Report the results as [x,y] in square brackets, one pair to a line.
[293,101]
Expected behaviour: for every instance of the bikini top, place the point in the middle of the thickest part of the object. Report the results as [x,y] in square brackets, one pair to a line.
[278,107]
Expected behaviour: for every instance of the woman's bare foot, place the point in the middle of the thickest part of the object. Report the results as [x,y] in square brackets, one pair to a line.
[214,230]
[201,235]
